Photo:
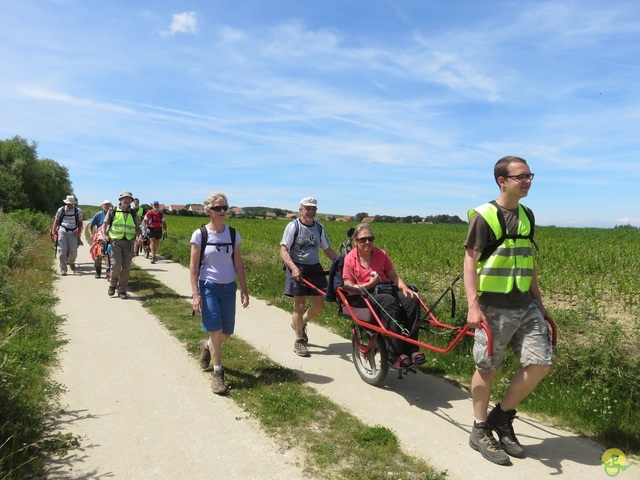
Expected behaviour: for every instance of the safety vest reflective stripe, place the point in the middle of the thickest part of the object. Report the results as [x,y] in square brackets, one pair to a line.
[511,265]
[122,225]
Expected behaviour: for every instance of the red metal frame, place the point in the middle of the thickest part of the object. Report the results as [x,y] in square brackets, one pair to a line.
[380,327]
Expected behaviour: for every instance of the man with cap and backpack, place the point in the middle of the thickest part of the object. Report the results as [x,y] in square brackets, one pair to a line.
[299,253]
[122,225]
[66,230]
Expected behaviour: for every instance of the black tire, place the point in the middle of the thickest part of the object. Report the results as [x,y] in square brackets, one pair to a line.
[374,365]
[147,252]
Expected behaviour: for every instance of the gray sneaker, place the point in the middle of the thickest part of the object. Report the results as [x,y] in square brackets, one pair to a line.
[502,423]
[300,348]
[217,383]
[483,441]
[205,354]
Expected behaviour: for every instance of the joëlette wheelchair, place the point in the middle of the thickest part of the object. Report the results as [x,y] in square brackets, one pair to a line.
[370,335]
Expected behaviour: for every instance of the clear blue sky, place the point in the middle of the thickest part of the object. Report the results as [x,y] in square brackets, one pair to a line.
[385,107]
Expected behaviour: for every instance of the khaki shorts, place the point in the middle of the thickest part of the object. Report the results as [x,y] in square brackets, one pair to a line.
[524,329]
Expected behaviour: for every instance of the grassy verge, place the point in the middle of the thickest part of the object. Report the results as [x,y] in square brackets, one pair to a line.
[28,339]
[336,444]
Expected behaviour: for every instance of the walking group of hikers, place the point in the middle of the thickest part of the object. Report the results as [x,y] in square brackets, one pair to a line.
[115,232]
[499,280]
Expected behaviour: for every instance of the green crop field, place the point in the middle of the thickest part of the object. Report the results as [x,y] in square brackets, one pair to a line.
[590,285]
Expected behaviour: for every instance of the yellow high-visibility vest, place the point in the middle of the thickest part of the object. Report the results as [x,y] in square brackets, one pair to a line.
[511,264]
[123,225]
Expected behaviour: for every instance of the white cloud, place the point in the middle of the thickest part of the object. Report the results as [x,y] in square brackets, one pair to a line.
[186,22]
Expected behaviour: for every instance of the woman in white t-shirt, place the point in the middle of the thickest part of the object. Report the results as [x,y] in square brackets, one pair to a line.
[213,275]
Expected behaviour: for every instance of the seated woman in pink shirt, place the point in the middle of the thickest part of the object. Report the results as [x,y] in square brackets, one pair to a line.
[370,268]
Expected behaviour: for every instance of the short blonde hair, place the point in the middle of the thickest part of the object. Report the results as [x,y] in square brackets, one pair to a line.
[213,198]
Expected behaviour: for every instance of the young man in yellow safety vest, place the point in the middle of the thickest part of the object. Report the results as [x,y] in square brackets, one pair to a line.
[502,291]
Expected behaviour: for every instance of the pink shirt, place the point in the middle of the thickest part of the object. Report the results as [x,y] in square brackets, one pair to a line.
[380,263]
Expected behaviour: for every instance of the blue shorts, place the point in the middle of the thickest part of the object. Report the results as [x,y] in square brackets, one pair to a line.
[218,306]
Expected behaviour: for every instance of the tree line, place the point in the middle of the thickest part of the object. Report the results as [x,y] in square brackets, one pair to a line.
[28,182]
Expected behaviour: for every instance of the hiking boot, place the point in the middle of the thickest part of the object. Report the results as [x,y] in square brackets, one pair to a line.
[111,291]
[63,273]
[483,441]
[205,354]
[153,260]
[123,295]
[217,383]
[300,348]
[502,423]
[72,266]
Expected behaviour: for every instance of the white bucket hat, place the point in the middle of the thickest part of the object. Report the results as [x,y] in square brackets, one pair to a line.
[70,200]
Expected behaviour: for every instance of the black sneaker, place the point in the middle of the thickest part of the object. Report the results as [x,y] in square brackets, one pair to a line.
[483,441]
[502,423]
[111,291]
[403,361]
[418,358]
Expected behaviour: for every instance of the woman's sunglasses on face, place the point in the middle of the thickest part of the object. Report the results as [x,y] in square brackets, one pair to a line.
[366,239]
[220,208]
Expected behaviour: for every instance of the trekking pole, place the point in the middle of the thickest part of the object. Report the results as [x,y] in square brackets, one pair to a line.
[54,239]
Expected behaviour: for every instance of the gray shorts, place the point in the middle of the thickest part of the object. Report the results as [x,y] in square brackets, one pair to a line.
[524,329]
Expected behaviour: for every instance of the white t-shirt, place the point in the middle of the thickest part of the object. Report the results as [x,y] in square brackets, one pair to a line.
[217,263]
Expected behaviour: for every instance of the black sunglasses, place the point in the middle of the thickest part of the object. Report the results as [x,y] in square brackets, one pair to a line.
[220,208]
[366,239]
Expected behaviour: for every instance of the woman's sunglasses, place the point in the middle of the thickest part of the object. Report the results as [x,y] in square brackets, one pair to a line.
[220,208]
[366,239]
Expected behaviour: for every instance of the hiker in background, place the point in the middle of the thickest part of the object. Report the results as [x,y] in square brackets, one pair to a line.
[155,225]
[502,290]
[214,265]
[98,218]
[122,226]
[137,208]
[98,244]
[299,252]
[67,226]
[371,269]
